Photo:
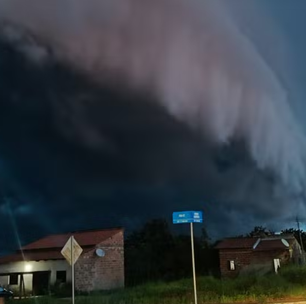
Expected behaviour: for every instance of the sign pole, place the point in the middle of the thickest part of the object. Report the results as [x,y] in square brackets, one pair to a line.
[72,270]
[72,251]
[191,217]
[193,265]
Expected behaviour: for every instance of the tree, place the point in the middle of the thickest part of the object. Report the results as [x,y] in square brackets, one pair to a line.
[153,253]
[299,234]
[205,239]
[148,252]
[260,231]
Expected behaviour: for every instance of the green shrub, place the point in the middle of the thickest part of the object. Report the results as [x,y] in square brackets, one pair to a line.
[259,289]
[61,290]
[294,274]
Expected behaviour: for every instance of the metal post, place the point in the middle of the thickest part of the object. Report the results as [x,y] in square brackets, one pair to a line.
[193,266]
[301,241]
[23,287]
[20,286]
[72,270]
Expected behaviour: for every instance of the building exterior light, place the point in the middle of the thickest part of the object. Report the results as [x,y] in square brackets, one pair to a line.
[28,267]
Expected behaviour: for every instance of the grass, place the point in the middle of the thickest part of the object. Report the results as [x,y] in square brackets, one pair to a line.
[289,284]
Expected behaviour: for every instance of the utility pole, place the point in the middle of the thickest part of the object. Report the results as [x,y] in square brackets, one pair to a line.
[300,236]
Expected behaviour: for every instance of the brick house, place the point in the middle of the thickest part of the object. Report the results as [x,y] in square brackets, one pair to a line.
[40,264]
[256,255]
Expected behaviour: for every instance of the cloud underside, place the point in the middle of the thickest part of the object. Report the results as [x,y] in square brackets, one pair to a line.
[76,154]
[129,122]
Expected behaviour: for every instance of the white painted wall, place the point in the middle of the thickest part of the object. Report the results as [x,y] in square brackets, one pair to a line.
[32,266]
[4,281]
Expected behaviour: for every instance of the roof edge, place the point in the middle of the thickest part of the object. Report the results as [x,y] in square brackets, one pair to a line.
[91,230]
[24,248]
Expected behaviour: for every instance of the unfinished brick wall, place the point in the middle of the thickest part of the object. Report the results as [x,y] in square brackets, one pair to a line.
[241,259]
[245,258]
[269,256]
[102,273]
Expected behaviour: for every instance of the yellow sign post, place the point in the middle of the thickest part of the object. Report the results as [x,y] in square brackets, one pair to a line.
[72,251]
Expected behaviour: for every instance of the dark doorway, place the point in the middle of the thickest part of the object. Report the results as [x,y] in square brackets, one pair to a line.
[61,276]
[41,281]
[13,279]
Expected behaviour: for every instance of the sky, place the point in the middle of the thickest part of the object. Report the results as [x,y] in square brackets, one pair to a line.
[112,113]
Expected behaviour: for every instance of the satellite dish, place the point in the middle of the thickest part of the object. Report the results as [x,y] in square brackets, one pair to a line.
[285,242]
[100,253]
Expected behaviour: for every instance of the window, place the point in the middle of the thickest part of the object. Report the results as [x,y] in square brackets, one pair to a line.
[61,276]
[276,265]
[232,265]
[13,279]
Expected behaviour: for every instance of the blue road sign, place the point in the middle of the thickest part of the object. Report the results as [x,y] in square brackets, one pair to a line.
[184,217]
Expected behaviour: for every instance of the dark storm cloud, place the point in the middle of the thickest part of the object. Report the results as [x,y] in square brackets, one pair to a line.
[209,63]
[55,179]
[82,150]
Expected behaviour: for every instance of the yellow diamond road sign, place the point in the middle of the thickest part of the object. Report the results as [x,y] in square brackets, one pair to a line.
[76,250]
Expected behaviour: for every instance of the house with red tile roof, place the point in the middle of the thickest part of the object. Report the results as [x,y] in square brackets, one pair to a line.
[39,265]
[257,254]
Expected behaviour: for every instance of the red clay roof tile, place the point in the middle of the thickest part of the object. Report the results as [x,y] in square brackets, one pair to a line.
[84,238]
[269,243]
[49,248]
[237,243]
[36,256]
[32,256]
